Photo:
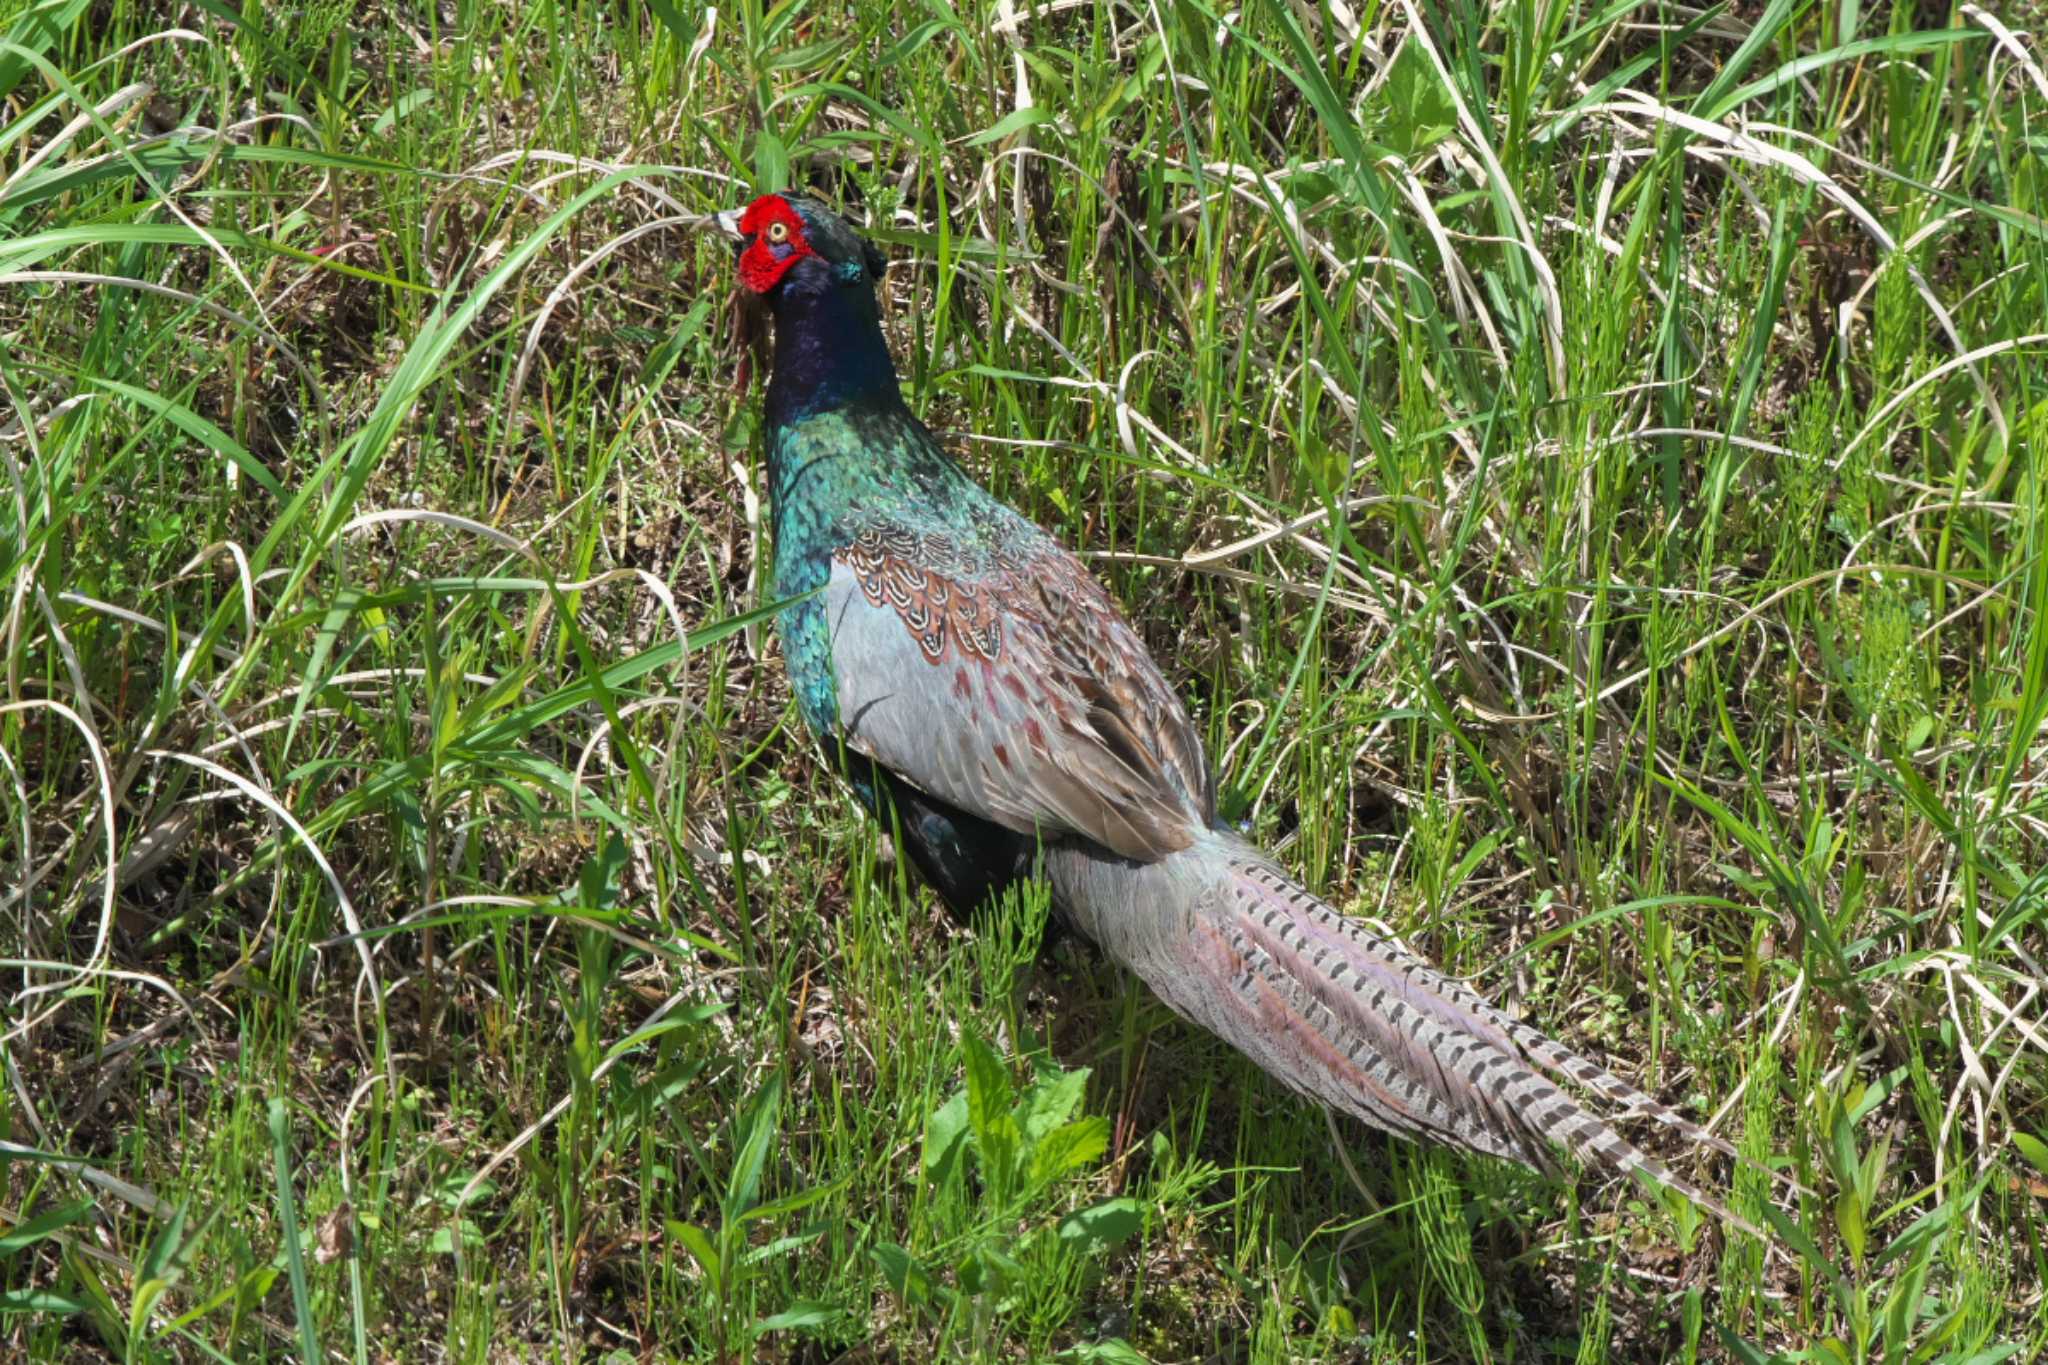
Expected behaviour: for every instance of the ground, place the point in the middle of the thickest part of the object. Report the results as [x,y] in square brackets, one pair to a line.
[1581,465]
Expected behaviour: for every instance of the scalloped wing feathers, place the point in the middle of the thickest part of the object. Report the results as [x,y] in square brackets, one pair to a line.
[1004,682]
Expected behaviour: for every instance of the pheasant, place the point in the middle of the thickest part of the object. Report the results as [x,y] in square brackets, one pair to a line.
[967,671]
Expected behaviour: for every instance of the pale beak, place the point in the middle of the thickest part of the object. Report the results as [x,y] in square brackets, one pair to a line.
[729,224]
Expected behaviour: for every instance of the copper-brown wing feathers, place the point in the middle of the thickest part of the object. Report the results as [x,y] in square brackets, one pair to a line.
[1007,684]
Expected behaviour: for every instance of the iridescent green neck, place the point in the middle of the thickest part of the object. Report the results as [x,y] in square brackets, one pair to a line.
[859,461]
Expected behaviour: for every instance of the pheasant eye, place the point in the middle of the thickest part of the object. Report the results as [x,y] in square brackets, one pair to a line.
[778,233]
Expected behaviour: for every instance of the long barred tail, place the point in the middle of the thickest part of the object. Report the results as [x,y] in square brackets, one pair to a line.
[1350,1017]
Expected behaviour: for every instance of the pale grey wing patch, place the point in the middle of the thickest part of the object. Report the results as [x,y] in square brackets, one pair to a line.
[888,709]
[1009,740]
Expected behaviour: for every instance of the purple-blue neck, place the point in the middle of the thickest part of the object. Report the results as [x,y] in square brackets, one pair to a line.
[829,353]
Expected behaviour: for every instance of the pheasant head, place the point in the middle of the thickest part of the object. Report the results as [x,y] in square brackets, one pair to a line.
[790,244]
[817,276]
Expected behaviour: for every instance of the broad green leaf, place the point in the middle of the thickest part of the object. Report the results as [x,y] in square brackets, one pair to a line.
[988,1084]
[900,123]
[1016,121]
[2033,1149]
[906,1274]
[698,1243]
[682,29]
[160,1262]
[1419,109]
[1114,1351]
[1850,1221]
[1104,1226]
[40,1301]
[1068,1149]
[1795,1237]
[944,1132]
[1742,1350]
[781,1246]
[791,1203]
[753,1136]
[771,163]
[802,1313]
[911,42]
[1051,1100]
[401,108]
[44,1224]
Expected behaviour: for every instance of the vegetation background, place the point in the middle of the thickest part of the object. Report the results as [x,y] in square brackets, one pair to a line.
[1581,461]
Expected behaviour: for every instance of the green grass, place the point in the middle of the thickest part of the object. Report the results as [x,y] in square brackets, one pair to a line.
[1584,469]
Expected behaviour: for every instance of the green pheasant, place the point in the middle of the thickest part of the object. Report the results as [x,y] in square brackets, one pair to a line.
[974,676]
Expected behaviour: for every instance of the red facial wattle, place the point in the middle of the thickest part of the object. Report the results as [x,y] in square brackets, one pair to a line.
[775,242]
